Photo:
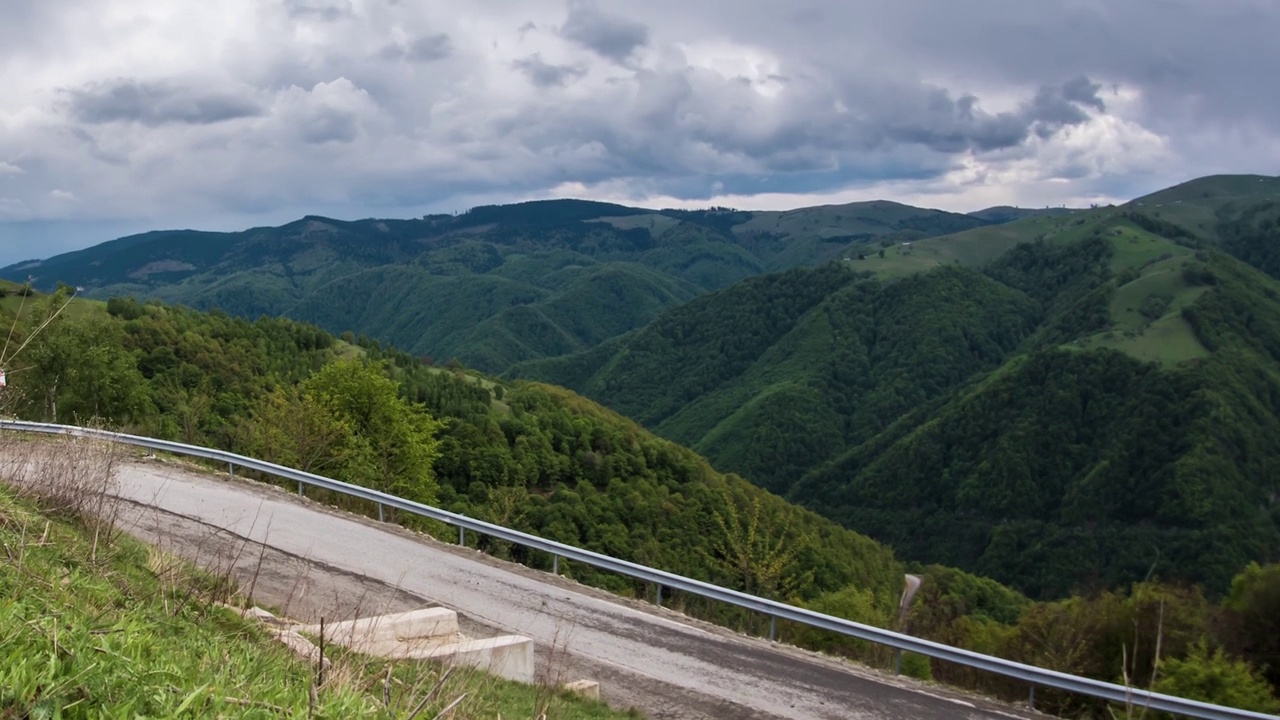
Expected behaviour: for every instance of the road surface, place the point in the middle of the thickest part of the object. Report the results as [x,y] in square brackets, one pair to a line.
[311,560]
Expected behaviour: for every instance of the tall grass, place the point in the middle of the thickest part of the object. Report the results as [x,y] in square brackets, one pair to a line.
[94,624]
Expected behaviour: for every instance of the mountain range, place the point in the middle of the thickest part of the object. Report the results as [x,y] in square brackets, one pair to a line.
[493,286]
[1060,402]
[1063,400]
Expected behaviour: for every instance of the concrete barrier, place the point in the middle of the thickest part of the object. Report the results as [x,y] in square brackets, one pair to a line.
[431,633]
[382,634]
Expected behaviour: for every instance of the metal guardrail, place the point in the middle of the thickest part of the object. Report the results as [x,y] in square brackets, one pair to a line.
[1034,676]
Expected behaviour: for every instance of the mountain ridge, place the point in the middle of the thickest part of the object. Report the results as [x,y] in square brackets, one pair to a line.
[814,409]
[546,248]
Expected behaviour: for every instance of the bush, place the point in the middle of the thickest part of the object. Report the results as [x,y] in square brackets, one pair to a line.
[1196,275]
[124,308]
[1154,307]
[1213,677]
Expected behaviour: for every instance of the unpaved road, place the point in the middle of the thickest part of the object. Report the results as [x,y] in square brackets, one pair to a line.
[310,560]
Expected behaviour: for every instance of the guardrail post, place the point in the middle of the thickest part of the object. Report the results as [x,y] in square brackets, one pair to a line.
[380,519]
[897,662]
[1031,701]
[773,627]
[659,597]
[231,469]
[462,535]
[555,564]
[299,487]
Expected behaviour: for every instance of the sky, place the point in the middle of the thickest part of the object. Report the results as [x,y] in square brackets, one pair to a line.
[121,116]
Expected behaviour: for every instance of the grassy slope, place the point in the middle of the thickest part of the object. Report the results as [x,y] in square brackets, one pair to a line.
[1195,204]
[36,305]
[977,247]
[117,629]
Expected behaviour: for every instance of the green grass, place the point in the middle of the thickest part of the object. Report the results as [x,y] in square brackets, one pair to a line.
[95,627]
[977,247]
[1166,341]
[1163,338]
[35,307]
[1146,314]
[655,223]
[1195,204]
[876,217]
[1137,248]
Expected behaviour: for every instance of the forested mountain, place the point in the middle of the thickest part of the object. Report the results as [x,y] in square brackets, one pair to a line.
[493,286]
[1062,403]
[543,460]
[530,456]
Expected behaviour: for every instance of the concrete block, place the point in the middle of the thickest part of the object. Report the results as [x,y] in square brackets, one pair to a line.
[260,615]
[585,688]
[431,633]
[301,646]
[507,656]
[376,635]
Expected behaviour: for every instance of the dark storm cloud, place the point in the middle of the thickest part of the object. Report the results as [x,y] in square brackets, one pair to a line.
[932,118]
[1057,106]
[681,130]
[612,36]
[156,103]
[1084,91]
[545,75]
[801,130]
[1191,63]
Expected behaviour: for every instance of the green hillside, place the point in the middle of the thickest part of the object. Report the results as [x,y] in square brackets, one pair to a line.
[1008,213]
[494,286]
[98,625]
[1200,205]
[1061,403]
[544,460]
[533,457]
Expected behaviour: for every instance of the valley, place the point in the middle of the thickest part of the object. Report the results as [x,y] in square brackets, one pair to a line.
[1049,416]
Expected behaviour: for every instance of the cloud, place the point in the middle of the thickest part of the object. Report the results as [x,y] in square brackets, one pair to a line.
[155,103]
[612,36]
[546,75]
[1084,91]
[327,113]
[1056,107]
[329,125]
[327,10]
[427,48]
[246,112]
